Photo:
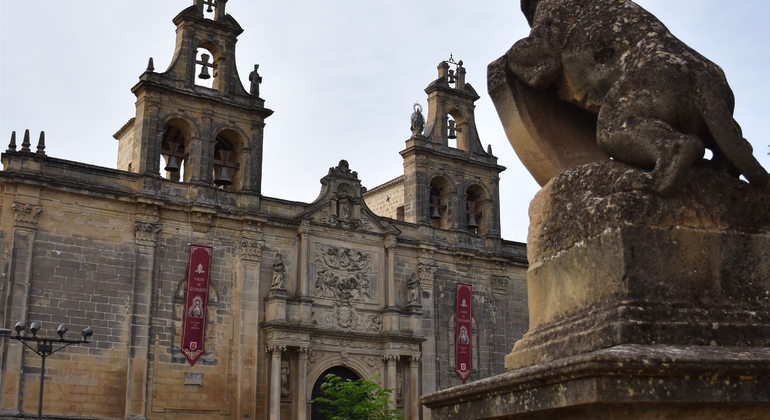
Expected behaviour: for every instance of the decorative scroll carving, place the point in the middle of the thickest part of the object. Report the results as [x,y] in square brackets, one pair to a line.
[500,284]
[286,335]
[313,356]
[252,248]
[344,356]
[344,274]
[345,317]
[147,232]
[27,213]
[362,344]
[391,358]
[304,228]
[414,359]
[334,220]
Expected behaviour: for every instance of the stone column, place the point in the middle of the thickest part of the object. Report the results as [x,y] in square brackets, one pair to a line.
[414,388]
[141,305]
[275,382]
[304,275]
[18,289]
[301,407]
[248,290]
[391,360]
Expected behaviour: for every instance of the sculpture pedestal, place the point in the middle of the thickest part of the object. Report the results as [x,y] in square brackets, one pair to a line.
[640,307]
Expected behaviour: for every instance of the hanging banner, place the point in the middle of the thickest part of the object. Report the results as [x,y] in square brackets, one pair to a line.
[194,326]
[463,332]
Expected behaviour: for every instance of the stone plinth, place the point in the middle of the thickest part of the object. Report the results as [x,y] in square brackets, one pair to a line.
[640,307]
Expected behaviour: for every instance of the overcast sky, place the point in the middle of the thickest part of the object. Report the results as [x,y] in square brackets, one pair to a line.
[341,76]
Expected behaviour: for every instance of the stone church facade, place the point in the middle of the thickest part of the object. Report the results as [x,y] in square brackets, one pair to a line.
[359,281]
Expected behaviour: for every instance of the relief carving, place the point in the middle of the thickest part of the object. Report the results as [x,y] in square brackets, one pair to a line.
[500,284]
[343,274]
[285,384]
[344,316]
[252,248]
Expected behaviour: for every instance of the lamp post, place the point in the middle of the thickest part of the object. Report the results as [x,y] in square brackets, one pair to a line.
[45,347]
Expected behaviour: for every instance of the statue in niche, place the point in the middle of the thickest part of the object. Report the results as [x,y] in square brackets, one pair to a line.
[255,80]
[413,287]
[278,273]
[285,384]
[399,386]
[659,103]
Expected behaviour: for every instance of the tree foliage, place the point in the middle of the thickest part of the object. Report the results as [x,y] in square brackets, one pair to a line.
[356,400]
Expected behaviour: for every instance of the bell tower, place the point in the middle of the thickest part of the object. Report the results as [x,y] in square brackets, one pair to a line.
[450,181]
[195,122]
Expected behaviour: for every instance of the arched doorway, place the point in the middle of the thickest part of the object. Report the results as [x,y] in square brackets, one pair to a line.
[340,371]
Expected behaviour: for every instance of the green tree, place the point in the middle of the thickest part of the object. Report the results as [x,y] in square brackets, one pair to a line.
[356,400]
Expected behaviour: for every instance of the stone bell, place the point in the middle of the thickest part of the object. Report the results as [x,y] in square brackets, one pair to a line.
[452,129]
[172,165]
[223,176]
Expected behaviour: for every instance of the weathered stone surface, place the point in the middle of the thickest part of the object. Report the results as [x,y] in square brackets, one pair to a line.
[610,268]
[623,382]
[548,135]
[659,103]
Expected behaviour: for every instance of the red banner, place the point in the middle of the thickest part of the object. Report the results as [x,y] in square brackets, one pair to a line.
[194,327]
[463,331]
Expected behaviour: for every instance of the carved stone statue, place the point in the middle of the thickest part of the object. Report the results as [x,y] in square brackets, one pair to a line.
[413,286]
[278,273]
[285,384]
[255,80]
[659,103]
[418,121]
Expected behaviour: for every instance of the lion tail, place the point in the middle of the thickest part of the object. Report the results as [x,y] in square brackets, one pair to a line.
[716,113]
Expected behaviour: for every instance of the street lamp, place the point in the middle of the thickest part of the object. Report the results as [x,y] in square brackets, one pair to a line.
[45,347]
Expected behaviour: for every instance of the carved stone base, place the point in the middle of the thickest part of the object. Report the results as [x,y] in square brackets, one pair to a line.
[275,305]
[618,268]
[622,382]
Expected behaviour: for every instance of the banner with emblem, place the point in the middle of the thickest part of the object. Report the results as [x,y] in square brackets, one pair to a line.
[463,331]
[194,326]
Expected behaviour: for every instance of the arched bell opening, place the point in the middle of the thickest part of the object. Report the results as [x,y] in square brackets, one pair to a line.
[228,160]
[174,150]
[316,407]
[457,130]
[207,65]
[476,206]
[439,208]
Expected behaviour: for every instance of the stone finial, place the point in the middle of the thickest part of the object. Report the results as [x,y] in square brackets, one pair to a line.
[12,144]
[41,144]
[25,143]
[489,149]
[150,65]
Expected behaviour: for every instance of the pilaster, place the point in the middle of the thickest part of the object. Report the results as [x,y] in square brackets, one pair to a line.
[19,284]
[146,234]
[301,403]
[247,297]
[414,388]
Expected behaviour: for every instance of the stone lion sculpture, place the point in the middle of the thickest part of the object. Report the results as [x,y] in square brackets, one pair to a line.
[659,103]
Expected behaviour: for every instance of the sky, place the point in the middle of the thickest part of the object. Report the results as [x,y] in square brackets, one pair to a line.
[341,76]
